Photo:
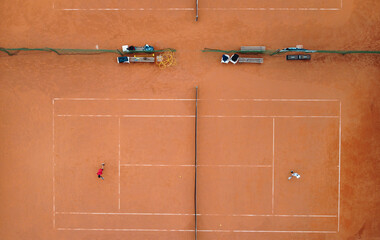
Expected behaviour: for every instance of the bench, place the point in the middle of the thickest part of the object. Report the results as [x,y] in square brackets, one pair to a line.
[252,48]
[251,60]
[298,57]
[137,49]
[141,59]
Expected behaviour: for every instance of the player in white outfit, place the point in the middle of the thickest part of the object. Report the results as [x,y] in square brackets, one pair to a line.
[294,175]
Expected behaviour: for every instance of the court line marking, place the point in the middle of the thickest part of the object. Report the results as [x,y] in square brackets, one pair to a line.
[234,165]
[265,231]
[119,163]
[126,9]
[189,165]
[340,148]
[124,99]
[199,214]
[188,116]
[121,213]
[193,9]
[263,116]
[203,9]
[276,100]
[53,165]
[156,165]
[270,215]
[193,99]
[270,9]
[131,116]
[273,169]
[126,229]
[207,9]
[190,230]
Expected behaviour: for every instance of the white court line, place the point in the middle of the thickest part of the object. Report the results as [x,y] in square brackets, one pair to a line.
[263,116]
[273,170]
[130,116]
[119,163]
[270,215]
[190,230]
[221,165]
[193,99]
[270,9]
[120,213]
[274,100]
[53,166]
[189,165]
[84,115]
[199,214]
[189,116]
[340,148]
[203,9]
[126,230]
[159,116]
[264,231]
[124,99]
[154,165]
[127,9]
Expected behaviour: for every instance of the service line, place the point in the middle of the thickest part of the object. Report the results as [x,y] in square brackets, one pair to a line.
[192,165]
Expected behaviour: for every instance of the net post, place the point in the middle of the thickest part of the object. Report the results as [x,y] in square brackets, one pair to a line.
[195,161]
[196,9]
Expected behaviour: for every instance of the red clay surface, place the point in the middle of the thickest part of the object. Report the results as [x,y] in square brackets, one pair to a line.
[53,143]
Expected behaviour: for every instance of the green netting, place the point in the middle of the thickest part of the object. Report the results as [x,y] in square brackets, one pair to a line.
[347,52]
[68,51]
[238,51]
[274,52]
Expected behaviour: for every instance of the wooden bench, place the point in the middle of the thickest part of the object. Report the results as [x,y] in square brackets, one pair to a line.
[251,60]
[141,59]
[252,48]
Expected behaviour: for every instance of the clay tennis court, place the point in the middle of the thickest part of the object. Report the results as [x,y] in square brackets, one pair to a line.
[182,163]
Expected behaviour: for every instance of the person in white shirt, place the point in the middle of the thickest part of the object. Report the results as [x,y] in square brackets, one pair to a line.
[294,175]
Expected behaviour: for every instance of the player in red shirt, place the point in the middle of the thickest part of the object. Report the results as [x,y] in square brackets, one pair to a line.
[100,171]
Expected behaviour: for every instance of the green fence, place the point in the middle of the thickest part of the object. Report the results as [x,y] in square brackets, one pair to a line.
[279,51]
[68,51]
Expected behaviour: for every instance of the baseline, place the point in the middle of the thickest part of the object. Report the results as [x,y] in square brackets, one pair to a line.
[192,214]
[185,230]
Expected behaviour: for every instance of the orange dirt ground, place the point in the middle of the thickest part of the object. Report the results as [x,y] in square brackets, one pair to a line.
[52,145]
